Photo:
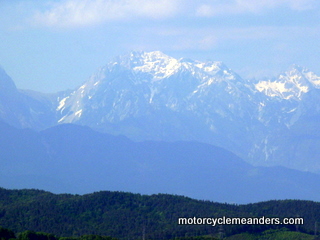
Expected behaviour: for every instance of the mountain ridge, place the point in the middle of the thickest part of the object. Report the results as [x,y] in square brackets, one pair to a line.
[69,158]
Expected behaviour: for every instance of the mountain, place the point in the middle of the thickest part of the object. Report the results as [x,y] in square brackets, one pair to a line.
[75,159]
[293,84]
[12,107]
[152,96]
[25,109]
[291,113]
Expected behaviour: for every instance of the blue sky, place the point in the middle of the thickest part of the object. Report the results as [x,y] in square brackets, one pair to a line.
[52,45]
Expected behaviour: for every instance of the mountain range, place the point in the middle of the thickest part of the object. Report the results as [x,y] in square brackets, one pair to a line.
[152,96]
[76,159]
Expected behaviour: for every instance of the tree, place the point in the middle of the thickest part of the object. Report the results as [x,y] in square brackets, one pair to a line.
[31,235]
[6,234]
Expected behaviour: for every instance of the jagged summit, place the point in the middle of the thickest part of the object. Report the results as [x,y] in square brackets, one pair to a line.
[138,58]
[6,83]
[292,84]
[304,74]
[160,65]
[157,63]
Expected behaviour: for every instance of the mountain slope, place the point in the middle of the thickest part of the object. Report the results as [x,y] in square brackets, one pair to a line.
[75,159]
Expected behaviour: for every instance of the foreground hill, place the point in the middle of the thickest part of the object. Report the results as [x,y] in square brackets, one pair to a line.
[129,216]
[74,159]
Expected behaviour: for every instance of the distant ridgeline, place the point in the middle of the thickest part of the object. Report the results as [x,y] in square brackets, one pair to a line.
[133,216]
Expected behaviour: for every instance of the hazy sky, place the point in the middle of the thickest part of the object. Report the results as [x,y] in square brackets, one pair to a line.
[51,45]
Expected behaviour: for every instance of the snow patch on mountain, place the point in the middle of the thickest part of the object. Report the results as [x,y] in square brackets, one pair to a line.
[62,103]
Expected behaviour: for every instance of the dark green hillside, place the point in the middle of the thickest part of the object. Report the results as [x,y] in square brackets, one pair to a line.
[279,234]
[129,216]
[272,235]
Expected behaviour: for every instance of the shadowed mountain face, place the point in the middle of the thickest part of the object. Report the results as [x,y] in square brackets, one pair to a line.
[75,159]
[12,107]
[25,109]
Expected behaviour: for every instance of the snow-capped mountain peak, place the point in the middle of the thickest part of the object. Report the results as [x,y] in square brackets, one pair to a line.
[305,75]
[292,84]
[160,65]
[156,63]
[151,79]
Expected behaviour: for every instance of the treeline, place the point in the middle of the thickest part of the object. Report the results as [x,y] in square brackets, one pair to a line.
[7,234]
[280,234]
[134,216]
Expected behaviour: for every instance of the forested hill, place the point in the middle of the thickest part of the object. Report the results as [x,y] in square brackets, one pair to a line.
[129,216]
